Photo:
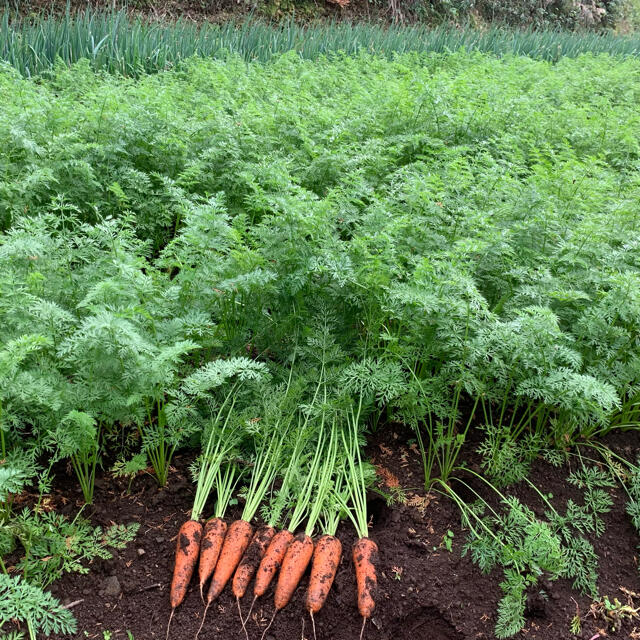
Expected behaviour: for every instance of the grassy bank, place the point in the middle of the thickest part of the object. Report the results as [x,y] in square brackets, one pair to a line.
[119,43]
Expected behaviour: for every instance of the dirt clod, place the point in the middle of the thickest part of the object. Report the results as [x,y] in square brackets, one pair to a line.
[111,587]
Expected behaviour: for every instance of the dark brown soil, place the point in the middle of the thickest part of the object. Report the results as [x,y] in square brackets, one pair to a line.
[424,591]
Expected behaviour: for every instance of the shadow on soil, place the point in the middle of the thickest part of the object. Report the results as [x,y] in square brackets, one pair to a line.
[425,622]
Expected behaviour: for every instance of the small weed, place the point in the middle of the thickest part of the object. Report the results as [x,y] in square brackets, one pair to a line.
[447,540]
[397,572]
[615,613]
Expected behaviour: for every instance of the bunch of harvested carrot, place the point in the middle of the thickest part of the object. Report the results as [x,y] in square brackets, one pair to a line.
[300,550]
[365,550]
[219,441]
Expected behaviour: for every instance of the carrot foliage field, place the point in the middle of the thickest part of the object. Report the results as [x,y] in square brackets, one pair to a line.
[267,262]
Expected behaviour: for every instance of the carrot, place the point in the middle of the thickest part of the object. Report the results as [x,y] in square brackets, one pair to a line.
[214,533]
[190,534]
[225,480]
[328,551]
[187,549]
[235,543]
[270,564]
[248,565]
[295,563]
[365,551]
[300,551]
[218,443]
[271,561]
[326,559]
[251,560]
[296,470]
[274,555]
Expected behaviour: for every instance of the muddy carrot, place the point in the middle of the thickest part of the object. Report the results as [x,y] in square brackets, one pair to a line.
[251,560]
[240,532]
[365,551]
[295,563]
[328,550]
[226,478]
[190,534]
[235,544]
[297,469]
[248,566]
[214,533]
[300,550]
[272,561]
[274,554]
[187,550]
[218,443]
[326,559]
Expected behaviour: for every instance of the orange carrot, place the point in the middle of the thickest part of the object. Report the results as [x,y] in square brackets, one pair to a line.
[364,554]
[214,533]
[251,560]
[295,563]
[364,550]
[271,561]
[235,544]
[270,564]
[187,549]
[248,565]
[326,559]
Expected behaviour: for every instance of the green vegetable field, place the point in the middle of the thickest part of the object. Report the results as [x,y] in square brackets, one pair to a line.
[259,282]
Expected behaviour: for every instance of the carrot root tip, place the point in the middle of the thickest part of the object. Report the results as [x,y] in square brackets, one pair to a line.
[313,624]
[204,617]
[264,633]
[244,627]
[364,621]
[169,623]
